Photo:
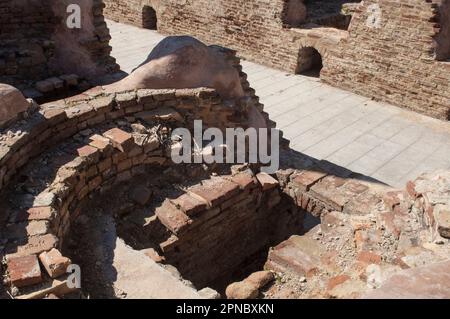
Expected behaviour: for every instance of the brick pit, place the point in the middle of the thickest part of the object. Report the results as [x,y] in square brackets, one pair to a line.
[224,216]
[88,179]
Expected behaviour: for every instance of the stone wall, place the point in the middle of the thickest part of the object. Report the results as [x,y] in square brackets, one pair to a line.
[36,44]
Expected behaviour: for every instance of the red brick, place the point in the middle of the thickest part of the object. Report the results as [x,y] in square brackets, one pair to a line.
[411,189]
[426,282]
[393,198]
[267,182]
[55,116]
[96,182]
[35,245]
[330,192]
[124,165]
[171,217]
[87,151]
[244,180]
[36,213]
[368,258]
[189,205]
[104,165]
[299,255]
[214,191]
[336,281]
[355,187]
[362,204]
[100,142]
[54,263]
[387,221]
[27,229]
[306,179]
[121,140]
[24,271]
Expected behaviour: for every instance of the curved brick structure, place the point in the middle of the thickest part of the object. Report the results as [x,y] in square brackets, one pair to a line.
[34,229]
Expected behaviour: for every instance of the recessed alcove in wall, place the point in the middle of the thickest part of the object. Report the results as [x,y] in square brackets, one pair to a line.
[327,13]
[309,62]
[149,18]
[442,40]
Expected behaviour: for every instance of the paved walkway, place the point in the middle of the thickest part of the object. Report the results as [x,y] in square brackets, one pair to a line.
[375,139]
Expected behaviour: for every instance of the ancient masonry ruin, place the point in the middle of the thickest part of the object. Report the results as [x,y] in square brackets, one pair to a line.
[42,57]
[89,180]
[393,51]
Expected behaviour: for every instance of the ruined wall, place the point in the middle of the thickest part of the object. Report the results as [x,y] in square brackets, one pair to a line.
[139,13]
[30,227]
[221,226]
[394,59]
[35,42]
[254,28]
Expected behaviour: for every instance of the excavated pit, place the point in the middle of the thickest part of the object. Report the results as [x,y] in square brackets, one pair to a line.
[236,240]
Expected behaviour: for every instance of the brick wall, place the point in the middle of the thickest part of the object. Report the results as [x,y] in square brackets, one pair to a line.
[139,13]
[35,42]
[395,63]
[113,158]
[218,228]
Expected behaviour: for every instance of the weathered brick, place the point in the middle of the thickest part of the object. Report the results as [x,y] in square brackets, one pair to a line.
[171,217]
[214,191]
[305,179]
[27,229]
[189,205]
[89,152]
[245,180]
[24,271]
[34,245]
[367,257]
[54,263]
[36,213]
[100,142]
[121,140]
[267,182]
